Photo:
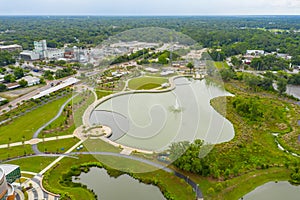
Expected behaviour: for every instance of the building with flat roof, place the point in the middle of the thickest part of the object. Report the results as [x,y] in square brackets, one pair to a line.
[30,55]
[255,52]
[31,80]
[8,175]
[11,86]
[14,47]
[64,84]
[2,99]
[41,51]
[40,47]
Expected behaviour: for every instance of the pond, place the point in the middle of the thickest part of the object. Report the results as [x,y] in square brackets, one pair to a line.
[152,121]
[275,191]
[293,90]
[124,187]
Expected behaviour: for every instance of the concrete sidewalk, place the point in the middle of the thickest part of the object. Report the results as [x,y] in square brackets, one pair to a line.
[35,141]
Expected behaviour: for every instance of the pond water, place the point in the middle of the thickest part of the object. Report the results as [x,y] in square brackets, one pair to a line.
[124,187]
[275,191]
[153,121]
[293,90]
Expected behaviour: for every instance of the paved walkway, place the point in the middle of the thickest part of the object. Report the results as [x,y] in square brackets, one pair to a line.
[36,134]
[92,107]
[36,141]
[31,173]
[37,192]
[60,158]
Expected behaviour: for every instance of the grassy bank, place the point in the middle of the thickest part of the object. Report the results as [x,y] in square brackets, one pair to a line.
[57,146]
[24,127]
[34,164]
[168,182]
[146,83]
[252,158]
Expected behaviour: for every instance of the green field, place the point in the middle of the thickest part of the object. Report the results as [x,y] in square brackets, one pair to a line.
[146,83]
[103,93]
[90,98]
[253,155]
[221,65]
[14,152]
[56,146]
[34,164]
[26,125]
[99,146]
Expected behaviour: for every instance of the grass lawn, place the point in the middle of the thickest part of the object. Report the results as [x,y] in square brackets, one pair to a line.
[79,111]
[68,131]
[237,187]
[34,164]
[26,125]
[103,93]
[56,146]
[149,86]
[221,65]
[58,127]
[14,152]
[146,83]
[99,146]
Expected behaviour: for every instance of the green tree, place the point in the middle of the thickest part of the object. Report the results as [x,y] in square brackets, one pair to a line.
[2,87]
[227,74]
[163,60]
[9,78]
[23,83]
[190,66]
[281,86]
[236,62]
[6,58]
[18,72]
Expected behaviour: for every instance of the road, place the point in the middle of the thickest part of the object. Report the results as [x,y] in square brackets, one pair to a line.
[28,96]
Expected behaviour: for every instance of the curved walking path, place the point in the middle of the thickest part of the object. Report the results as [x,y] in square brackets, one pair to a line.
[92,107]
[142,160]
[36,134]
[41,193]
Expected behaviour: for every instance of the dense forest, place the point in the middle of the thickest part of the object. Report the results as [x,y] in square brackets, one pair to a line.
[234,35]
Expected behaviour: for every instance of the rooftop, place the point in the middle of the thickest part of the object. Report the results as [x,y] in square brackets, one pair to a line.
[66,83]
[8,168]
[30,79]
[10,46]
[2,99]
[1,172]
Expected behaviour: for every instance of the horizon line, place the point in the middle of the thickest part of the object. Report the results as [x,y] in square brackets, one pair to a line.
[141,15]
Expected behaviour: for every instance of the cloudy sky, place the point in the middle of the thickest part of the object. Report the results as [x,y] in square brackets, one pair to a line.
[150,7]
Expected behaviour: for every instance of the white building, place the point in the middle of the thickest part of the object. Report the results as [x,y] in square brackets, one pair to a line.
[55,53]
[14,47]
[65,83]
[41,51]
[1,78]
[255,52]
[40,47]
[2,99]
[30,55]
[31,80]
[166,73]
[152,70]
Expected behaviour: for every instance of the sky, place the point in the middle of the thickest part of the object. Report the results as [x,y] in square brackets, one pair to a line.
[149,7]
